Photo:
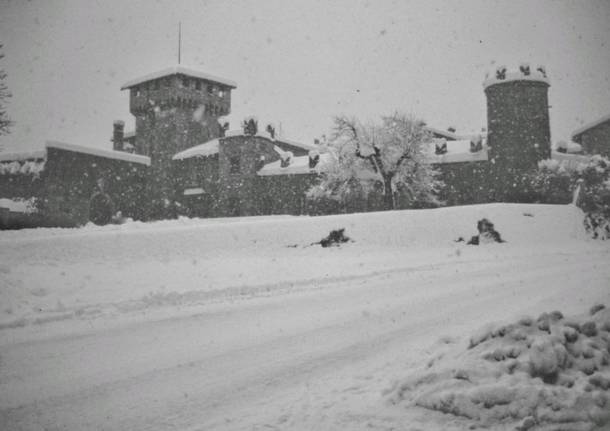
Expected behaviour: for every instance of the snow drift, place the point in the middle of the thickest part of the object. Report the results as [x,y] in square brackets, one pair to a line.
[55,274]
[552,373]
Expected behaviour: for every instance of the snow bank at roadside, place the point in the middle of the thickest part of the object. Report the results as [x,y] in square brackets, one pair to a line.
[548,373]
[518,223]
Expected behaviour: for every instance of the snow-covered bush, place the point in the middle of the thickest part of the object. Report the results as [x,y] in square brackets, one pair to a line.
[33,168]
[551,373]
[556,182]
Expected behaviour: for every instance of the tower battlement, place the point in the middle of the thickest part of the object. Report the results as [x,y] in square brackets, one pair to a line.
[175,109]
[524,73]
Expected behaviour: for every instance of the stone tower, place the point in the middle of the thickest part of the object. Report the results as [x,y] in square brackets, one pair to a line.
[175,109]
[518,128]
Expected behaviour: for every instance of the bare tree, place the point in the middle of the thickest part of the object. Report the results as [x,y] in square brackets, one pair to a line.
[390,152]
[5,123]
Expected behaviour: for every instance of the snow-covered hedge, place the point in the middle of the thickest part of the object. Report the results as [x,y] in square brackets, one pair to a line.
[556,182]
[22,168]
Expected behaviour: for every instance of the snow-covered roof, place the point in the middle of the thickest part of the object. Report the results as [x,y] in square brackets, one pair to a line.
[576,134]
[203,150]
[457,152]
[535,74]
[267,135]
[109,154]
[192,191]
[129,135]
[569,147]
[457,135]
[23,156]
[303,145]
[20,206]
[25,167]
[446,133]
[570,159]
[211,147]
[298,166]
[179,70]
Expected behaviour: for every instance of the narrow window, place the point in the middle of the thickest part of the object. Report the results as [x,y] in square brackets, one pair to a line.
[157,84]
[185,82]
[198,85]
[210,88]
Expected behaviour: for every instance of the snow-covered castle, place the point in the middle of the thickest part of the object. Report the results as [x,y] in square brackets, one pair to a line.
[183,159]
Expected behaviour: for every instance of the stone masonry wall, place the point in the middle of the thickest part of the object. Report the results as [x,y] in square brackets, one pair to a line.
[70,178]
[597,140]
[518,135]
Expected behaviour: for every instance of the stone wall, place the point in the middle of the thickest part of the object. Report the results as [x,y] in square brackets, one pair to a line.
[597,140]
[239,158]
[465,183]
[69,179]
[192,174]
[19,185]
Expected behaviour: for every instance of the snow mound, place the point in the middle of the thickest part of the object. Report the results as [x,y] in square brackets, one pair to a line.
[546,373]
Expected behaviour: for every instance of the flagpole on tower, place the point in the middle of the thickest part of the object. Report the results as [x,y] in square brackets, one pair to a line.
[179,39]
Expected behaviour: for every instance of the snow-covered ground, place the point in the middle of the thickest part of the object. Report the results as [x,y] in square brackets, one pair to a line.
[242,324]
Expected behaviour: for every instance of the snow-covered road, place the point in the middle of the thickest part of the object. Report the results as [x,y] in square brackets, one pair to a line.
[308,349]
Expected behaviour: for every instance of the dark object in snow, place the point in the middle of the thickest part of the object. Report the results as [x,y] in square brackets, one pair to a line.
[597,225]
[528,215]
[334,238]
[588,328]
[596,308]
[487,233]
[101,208]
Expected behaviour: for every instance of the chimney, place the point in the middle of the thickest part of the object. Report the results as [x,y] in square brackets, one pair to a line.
[314,158]
[117,135]
[476,144]
[440,148]
[285,159]
[271,131]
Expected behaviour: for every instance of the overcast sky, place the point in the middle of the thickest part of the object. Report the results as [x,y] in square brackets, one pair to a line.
[298,63]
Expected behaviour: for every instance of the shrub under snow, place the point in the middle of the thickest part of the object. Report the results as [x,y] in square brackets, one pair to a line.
[548,373]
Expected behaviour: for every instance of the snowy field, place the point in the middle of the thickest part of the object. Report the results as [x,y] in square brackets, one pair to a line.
[241,324]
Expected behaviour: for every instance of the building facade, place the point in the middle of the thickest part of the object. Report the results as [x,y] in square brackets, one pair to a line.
[182,160]
[594,138]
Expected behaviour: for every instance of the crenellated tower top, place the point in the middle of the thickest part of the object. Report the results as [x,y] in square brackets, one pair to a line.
[524,73]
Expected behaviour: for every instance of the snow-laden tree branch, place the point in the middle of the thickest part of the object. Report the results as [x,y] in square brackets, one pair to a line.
[389,154]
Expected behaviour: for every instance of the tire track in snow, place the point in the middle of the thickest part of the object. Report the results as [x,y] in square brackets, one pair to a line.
[235,376]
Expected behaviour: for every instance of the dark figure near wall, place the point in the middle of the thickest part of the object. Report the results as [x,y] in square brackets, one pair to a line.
[101,207]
